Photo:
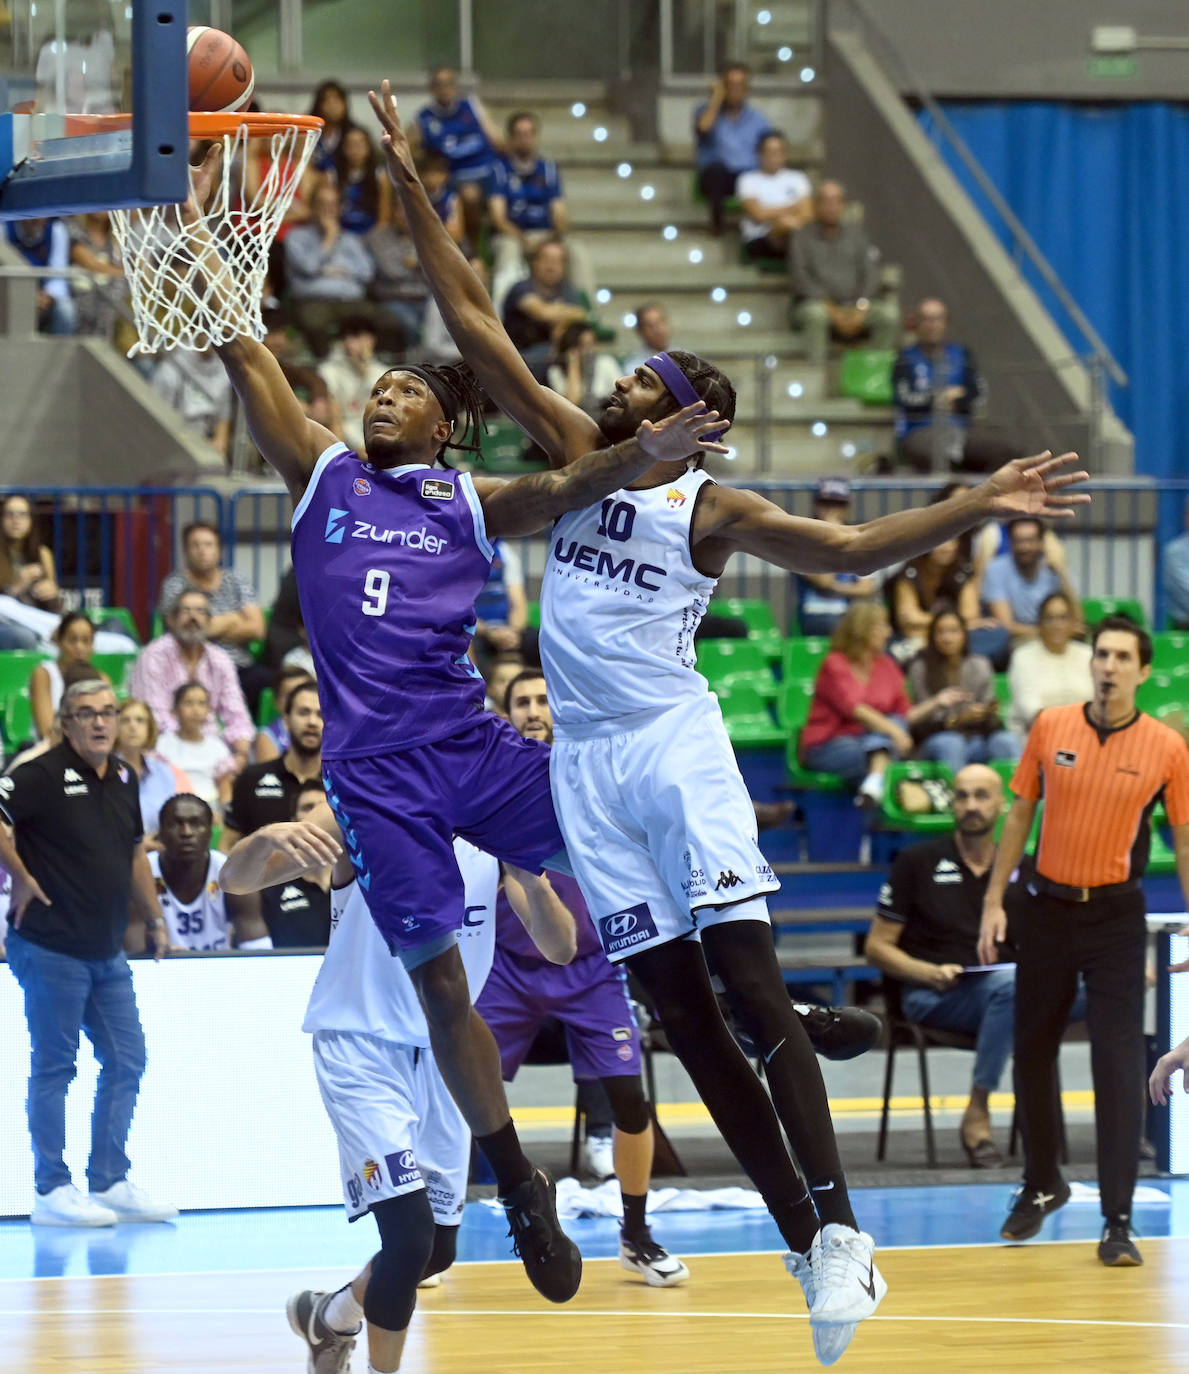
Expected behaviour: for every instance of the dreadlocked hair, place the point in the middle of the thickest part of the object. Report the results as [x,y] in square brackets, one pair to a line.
[467,399]
[714,387]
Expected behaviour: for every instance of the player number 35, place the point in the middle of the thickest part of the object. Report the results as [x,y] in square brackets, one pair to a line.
[375,588]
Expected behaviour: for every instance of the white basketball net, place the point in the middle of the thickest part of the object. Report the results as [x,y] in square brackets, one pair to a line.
[184,295]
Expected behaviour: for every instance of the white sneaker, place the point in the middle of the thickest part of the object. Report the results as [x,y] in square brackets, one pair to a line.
[130,1204]
[829,1342]
[871,790]
[598,1155]
[66,1206]
[434,1281]
[658,1268]
[847,1285]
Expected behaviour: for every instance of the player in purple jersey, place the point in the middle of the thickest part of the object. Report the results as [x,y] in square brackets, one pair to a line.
[390,550]
[829,1256]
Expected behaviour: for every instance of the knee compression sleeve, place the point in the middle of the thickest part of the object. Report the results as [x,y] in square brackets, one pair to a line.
[629,1109]
[406,1227]
[445,1247]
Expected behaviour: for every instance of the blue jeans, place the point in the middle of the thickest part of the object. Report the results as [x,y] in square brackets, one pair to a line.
[956,750]
[993,642]
[64,995]
[846,756]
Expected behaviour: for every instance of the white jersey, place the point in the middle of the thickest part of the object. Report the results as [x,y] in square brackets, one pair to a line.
[362,989]
[202,923]
[620,601]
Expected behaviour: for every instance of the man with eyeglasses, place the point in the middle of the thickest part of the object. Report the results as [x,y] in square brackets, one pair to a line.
[79,869]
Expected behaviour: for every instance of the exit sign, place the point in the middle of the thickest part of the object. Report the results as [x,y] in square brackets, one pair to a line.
[1112,66]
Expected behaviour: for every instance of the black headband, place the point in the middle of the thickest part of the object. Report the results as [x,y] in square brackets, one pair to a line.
[444,394]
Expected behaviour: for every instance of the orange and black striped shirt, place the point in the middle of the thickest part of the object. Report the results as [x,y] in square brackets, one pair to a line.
[1099,788]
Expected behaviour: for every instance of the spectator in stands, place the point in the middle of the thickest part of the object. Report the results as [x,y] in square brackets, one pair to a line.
[538,309]
[236,618]
[283,621]
[27,569]
[48,741]
[501,610]
[962,723]
[196,386]
[656,336]
[834,274]
[777,200]
[328,271]
[938,387]
[45,243]
[858,721]
[159,779]
[96,298]
[726,134]
[945,577]
[502,668]
[1175,566]
[824,598]
[1016,583]
[350,372]
[183,654]
[197,750]
[364,189]
[75,638]
[434,171]
[330,106]
[459,129]
[399,285]
[266,792]
[583,372]
[1051,670]
[273,739]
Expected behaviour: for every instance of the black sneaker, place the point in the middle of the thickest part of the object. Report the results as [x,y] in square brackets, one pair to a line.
[1029,1207]
[1116,1247]
[551,1259]
[839,1032]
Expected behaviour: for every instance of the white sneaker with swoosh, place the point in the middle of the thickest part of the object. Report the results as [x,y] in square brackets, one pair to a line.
[847,1285]
[829,1342]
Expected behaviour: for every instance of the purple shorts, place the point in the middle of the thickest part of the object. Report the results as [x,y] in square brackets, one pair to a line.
[399,813]
[589,997]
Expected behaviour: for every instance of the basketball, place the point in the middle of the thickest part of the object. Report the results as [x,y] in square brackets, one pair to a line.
[221,76]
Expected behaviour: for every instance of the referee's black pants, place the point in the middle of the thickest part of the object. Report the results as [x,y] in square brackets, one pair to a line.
[1105,940]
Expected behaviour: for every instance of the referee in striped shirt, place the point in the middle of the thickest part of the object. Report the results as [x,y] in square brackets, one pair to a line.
[1101,768]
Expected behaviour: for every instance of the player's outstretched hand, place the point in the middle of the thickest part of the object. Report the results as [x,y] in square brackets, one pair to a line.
[683,434]
[397,153]
[1160,1083]
[202,180]
[303,842]
[1036,486]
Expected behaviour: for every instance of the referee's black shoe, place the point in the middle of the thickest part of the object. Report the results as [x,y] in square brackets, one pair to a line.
[1029,1208]
[1116,1248]
[550,1258]
[839,1032]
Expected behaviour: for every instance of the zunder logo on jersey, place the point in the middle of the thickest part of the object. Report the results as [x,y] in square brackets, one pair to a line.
[334,525]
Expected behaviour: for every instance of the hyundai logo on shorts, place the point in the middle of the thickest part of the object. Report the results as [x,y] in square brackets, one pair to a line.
[622,924]
[626,929]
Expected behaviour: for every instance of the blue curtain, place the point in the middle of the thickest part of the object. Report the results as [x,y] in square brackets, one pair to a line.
[1104,191]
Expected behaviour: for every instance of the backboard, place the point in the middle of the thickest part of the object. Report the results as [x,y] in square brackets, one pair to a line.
[93,105]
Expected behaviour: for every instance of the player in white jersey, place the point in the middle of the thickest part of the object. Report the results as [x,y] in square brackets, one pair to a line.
[648,794]
[198,913]
[404,1146]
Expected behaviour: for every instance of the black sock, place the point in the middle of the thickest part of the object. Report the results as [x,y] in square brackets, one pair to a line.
[501,1149]
[634,1225]
[832,1200]
[798,1223]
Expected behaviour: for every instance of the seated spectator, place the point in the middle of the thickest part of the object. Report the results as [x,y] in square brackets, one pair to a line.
[583,372]
[330,106]
[273,739]
[328,272]
[236,618]
[938,387]
[1175,568]
[501,671]
[399,286]
[27,569]
[46,243]
[283,621]
[726,135]
[501,609]
[945,577]
[364,189]
[434,171]
[159,779]
[526,204]
[97,298]
[183,654]
[75,639]
[199,752]
[962,723]
[1017,583]
[777,200]
[297,913]
[1051,670]
[196,386]
[834,275]
[350,373]
[824,598]
[656,336]
[858,721]
[459,129]
[539,308]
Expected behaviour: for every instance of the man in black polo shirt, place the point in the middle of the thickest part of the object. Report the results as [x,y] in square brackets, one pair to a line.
[78,866]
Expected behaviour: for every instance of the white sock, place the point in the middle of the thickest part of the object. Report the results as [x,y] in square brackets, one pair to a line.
[343,1314]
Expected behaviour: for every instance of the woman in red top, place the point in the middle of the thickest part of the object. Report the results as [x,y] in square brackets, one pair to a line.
[859,718]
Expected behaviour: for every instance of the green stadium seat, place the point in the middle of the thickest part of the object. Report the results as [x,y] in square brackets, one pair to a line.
[116,666]
[503,446]
[757,615]
[802,657]
[16,666]
[104,615]
[747,718]
[867,375]
[1002,690]
[1163,690]
[792,711]
[732,662]
[534,614]
[18,721]
[893,814]
[266,708]
[1170,650]
[1096,608]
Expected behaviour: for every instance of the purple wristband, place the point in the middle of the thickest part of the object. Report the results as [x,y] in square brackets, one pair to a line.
[679,385]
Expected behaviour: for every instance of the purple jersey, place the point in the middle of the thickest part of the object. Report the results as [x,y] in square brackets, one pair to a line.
[511,936]
[388,564]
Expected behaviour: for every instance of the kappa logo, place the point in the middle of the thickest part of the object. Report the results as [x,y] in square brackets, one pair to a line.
[361,487]
[7,787]
[947,872]
[270,785]
[1066,758]
[436,489]
[71,776]
[727,880]
[335,529]
[293,898]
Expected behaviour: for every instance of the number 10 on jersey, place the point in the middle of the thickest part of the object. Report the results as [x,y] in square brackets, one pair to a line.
[375,589]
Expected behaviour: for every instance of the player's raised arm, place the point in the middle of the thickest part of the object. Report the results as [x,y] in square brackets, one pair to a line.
[739,521]
[281,852]
[467,310]
[289,442]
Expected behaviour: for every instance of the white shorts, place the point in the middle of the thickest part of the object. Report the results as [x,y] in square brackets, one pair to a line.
[659,829]
[397,1126]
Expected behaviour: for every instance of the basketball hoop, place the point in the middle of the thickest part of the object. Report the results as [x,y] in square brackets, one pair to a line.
[178,301]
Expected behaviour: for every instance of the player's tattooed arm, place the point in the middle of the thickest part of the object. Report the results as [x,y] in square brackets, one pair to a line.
[527,504]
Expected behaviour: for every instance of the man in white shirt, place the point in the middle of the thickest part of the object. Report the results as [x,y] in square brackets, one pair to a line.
[776,200]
